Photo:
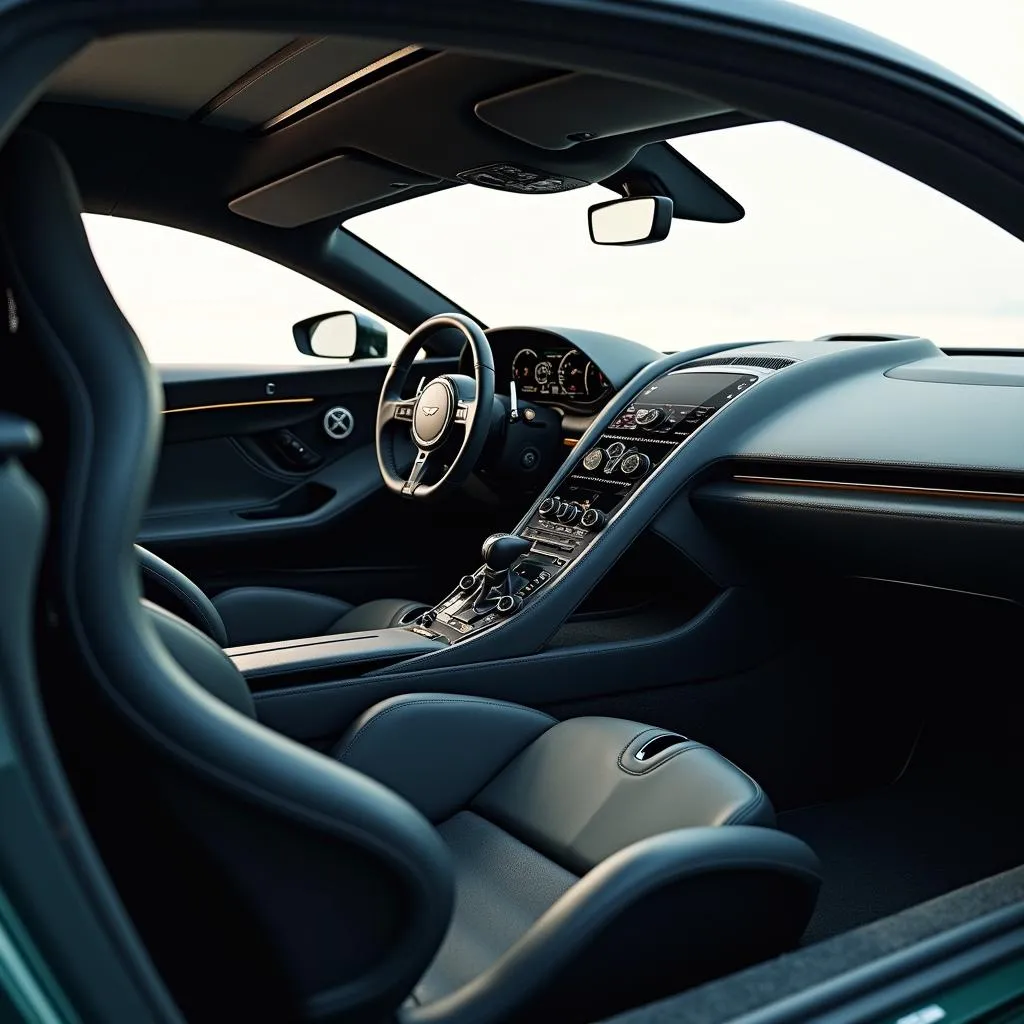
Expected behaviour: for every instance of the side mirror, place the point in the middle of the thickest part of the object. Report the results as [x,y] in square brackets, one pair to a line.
[635,220]
[342,335]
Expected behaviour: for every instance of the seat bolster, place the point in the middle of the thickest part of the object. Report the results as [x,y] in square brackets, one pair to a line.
[438,750]
[660,915]
[173,590]
[256,615]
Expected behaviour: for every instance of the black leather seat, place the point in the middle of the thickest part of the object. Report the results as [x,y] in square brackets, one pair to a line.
[453,859]
[256,615]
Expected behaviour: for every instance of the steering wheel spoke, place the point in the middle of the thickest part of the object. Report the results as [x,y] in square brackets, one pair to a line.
[462,410]
[400,410]
[415,477]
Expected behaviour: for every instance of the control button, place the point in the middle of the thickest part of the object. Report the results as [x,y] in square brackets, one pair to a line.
[635,464]
[593,519]
[529,459]
[616,450]
[697,416]
[568,512]
[648,417]
[548,506]
[467,582]
[593,459]
[426,618]
[508,603]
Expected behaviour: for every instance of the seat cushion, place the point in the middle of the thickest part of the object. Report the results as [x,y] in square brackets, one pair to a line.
[502,887]
[438,750]
[383,613]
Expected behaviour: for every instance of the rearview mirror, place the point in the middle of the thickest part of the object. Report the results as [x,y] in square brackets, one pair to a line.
[342,335]
[635,220]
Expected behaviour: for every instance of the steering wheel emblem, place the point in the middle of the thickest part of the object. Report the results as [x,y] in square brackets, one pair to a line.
[339,422]
[429,410]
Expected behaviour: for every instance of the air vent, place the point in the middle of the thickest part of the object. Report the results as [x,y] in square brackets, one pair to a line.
[864,337]
[768,362]
[712,361]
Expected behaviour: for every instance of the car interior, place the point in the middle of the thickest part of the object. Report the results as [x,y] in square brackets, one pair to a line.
[525,672]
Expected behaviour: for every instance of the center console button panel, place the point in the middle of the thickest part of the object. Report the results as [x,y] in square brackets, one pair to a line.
[632,448]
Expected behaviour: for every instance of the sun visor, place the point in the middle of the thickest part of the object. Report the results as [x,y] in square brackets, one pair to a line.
[562,112]
[659,169]
[328,188]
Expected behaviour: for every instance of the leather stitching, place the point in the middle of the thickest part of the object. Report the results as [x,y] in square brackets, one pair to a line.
[186,597]
[750,808]
[405,705]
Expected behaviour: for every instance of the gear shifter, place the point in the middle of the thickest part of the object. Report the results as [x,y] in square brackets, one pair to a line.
[498,592]
[500,550]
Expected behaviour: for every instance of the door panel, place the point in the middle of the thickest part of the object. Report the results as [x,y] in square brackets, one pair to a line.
[252,490]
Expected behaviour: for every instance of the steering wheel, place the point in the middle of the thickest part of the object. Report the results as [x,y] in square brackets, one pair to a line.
[448,420]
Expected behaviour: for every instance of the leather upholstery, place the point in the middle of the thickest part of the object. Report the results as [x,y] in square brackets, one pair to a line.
[305,888]
[166,586]
[528,805]
[578,794]
[439,750]
[202,659]
[255,615]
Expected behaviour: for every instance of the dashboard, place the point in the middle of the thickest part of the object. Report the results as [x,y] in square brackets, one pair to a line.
[576,371]
[876,456]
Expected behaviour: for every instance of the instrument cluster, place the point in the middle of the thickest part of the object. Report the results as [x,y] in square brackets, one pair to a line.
[558,372]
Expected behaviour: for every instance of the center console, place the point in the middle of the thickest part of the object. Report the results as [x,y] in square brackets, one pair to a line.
[603,478]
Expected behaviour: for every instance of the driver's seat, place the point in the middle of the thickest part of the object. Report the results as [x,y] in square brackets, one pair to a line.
[275,883]
[256,615]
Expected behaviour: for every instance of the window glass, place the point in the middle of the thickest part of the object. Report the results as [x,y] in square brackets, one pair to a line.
[193,299]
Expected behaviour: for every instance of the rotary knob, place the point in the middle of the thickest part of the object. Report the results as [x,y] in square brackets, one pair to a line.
[508,603]
[593,459]
[467,582]
[647,417]
[593,519]
[568,512]
[634,464]
[548,506]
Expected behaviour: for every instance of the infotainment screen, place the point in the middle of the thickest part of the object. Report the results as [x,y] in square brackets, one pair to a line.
[689,388]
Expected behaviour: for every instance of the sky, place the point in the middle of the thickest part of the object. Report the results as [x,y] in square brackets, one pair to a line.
[831,241]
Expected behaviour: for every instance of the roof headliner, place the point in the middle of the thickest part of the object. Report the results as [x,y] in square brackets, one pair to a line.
[290,130]
[236,80]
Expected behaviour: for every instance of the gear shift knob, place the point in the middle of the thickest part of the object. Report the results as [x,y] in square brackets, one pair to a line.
[500,550]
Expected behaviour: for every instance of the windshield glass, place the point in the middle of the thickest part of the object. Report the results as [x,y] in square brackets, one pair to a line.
[832,241]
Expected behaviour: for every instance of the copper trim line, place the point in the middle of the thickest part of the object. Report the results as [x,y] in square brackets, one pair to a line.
[382,64]
[904,489]
[239,405]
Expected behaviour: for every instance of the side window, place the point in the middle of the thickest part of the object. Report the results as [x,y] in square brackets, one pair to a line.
[192,299]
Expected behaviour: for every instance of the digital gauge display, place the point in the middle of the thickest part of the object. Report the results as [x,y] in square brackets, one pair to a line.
[557,372]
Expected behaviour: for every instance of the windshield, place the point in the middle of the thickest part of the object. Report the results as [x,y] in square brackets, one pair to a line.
[832,241]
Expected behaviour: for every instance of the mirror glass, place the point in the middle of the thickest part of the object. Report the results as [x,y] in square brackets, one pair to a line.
[335,336]
[631,221]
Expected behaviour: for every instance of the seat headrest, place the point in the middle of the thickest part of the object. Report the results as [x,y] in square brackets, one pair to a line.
[76,338]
